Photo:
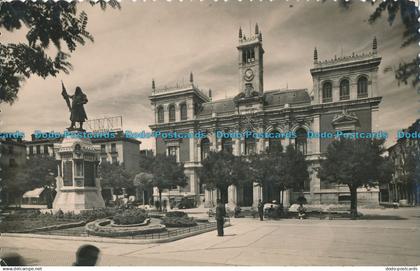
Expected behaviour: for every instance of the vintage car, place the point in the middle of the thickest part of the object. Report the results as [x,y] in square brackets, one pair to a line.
[273,209]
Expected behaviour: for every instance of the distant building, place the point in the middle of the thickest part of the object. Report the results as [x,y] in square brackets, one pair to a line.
[119,150]
[12,155]
[41,146]
[113,150]
[344,97]
[404,186]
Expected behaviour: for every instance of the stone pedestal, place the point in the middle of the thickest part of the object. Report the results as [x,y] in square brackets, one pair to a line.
[78,187]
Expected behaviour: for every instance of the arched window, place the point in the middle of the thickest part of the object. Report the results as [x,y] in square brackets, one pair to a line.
[205,148]
[301,140]
[161,114]
[327,92]
[274,144]
[249,145]
[183,109]
[227,145]
[344,90]
[362,87]
[172,112]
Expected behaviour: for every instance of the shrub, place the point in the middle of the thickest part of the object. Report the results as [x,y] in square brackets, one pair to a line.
[179,221]
[90,215]
[130,216]
[176,214]
[59,214]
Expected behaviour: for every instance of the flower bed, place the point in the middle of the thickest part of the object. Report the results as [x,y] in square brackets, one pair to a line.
[176,214]
[179,222]
[34,220]
[103,228]
[130,217]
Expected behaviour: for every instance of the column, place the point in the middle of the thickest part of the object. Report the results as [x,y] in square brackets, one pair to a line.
[236,146]
[193,147]
[315,143]
[257,194]
[232,196]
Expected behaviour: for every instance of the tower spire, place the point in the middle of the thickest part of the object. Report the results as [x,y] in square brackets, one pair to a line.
[240,32]
[257,30]
[191,78]
[315,56]
[153,84]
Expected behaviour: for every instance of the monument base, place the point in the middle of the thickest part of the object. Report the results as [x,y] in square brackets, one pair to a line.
[78,199]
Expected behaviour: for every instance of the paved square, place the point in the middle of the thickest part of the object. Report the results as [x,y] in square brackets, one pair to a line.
[381,240]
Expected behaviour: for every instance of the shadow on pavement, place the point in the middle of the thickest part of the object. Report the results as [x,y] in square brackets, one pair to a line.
[381,217]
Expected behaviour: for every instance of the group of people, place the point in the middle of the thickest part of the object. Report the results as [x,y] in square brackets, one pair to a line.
[86,255]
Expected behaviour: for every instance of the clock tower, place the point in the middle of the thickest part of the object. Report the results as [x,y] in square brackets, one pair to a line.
[250,64]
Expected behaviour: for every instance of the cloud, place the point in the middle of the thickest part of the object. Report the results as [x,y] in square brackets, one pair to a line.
[166,41]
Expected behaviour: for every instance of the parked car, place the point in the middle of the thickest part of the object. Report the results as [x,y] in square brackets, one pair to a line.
[273,210]
[187,203]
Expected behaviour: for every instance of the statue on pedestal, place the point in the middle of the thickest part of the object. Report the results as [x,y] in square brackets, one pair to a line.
[78,185]
[78,113]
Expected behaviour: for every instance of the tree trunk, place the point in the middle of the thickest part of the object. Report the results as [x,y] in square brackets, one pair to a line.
[160,200]
[353,202]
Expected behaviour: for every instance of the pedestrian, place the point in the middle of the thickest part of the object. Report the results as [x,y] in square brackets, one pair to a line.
[261,209]
[220,217]
[13,259]
[87,255]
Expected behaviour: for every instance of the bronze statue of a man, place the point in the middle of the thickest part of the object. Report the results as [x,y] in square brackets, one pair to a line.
[78,113]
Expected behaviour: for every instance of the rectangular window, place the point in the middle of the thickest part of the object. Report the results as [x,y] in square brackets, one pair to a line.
[46,149]
[172,151]
[78,169]
[89,174]
[103,148]
[113,147]
[31,150]
[68,173]
[38,149]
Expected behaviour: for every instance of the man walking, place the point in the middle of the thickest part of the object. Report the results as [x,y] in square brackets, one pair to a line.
[220,217]
[261,209]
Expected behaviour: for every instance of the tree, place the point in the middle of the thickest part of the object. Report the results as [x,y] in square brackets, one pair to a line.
[116,176]
[39,171]
[408,169]
[281,170]
[409,15]
[47,22]
[295,169]
[167,173]
[356,163]
[268,171]
[144,182]
[222,169]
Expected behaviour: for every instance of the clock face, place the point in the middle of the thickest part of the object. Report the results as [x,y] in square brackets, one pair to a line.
[249,75]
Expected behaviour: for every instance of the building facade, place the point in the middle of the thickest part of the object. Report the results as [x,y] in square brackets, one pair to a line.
[405,156]
[120,149]
[344,97]
[12,156]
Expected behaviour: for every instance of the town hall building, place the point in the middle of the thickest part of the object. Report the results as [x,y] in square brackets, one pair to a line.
[344,97]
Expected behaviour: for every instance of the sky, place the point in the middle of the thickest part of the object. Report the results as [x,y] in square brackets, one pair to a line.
[168,40]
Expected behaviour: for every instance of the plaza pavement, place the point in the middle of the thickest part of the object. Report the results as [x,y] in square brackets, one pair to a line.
[381,240]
